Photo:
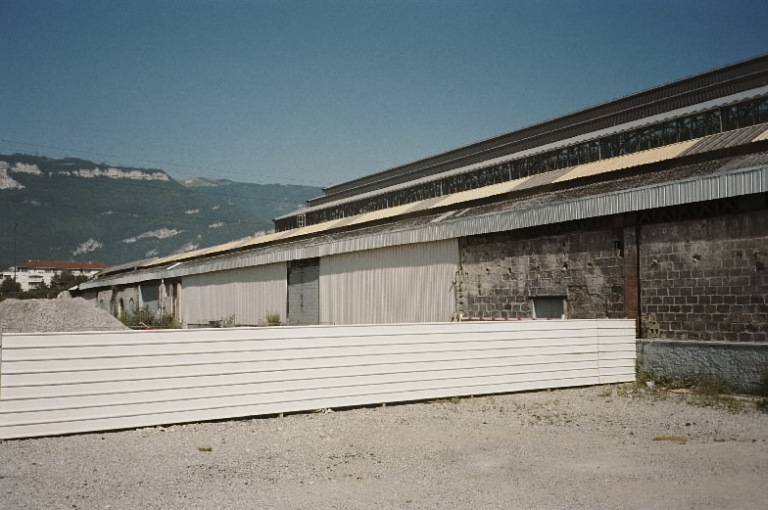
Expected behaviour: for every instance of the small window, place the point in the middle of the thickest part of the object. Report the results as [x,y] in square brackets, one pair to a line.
[549,307]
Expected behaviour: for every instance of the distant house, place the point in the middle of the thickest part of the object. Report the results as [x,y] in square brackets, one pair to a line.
[36,272]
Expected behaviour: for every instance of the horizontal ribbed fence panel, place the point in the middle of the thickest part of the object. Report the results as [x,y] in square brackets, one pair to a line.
[616,351]
[65,383]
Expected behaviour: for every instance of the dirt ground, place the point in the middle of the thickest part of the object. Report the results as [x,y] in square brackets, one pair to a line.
[614,447]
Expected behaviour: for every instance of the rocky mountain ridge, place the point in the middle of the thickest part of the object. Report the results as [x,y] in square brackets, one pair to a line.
[74,209]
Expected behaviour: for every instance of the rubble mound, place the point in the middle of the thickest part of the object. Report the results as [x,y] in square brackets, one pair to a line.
[54,315]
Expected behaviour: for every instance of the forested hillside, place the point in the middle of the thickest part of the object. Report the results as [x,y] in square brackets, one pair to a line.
[263,200]
[73,209]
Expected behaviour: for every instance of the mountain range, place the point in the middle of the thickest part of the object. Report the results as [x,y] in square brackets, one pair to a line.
[74,209]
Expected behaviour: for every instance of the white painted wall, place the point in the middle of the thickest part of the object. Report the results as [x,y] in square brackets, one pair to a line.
[250,294]
[59,383]
[401,284]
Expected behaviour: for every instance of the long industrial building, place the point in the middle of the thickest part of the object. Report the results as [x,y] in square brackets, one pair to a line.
[651,207]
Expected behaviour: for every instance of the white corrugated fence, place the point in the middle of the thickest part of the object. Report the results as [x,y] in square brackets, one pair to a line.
[60,383]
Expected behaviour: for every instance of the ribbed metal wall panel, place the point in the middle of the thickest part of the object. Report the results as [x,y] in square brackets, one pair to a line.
[60,383]
[411,283]
[250,293]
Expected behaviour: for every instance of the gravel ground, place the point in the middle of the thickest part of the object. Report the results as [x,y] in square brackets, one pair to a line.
[49,315]
[583,448]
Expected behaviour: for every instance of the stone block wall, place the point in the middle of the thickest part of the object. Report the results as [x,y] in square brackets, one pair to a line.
[501,273]
[706,279]
[116,301]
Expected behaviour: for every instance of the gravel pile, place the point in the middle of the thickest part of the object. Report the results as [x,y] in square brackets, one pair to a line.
[587,448]
[51,315]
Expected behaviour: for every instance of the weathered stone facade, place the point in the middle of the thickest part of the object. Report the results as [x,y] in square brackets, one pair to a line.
[698,279]
[706,279]
[501,273]
[117,300]
[700,286]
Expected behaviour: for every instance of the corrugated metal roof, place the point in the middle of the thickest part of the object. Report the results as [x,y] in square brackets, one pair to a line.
[128,266]
[630,160]
[700,145]
[761,136]
[310,229]
[683,93]
[653,119]
[480,193]
[743,181]
[544,178]
[725,140]
[179,257]
[617,125]
[746,161]
[380,214]
[423,205]
[274,236]
[667,152]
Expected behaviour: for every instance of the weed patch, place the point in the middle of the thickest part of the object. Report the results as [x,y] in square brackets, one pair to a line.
[144,318]
[701,391]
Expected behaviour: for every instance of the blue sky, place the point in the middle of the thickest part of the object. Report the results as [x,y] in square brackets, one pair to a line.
[319,92]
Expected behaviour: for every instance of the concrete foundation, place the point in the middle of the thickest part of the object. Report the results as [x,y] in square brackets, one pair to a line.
[742,364]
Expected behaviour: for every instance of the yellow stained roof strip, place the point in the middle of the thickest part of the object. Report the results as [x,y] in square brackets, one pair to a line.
[425,204]
[628,161]
[312,229]
[176,257]
[761,136]
[380,214]
[264,239]
[478,193]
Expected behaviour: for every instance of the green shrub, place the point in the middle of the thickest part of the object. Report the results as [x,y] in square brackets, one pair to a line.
[273,319]
[143,318]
